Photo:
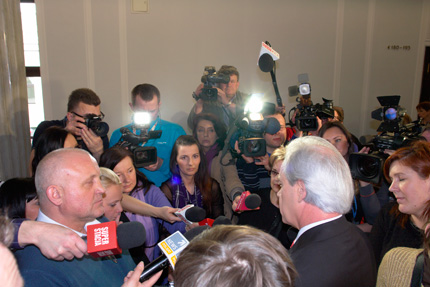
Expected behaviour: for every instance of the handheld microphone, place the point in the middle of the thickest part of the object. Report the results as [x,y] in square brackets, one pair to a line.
[248,201]
[191,213]
[106,239]
[162,261]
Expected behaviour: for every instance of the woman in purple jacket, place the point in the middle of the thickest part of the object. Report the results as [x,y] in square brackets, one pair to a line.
[138,186]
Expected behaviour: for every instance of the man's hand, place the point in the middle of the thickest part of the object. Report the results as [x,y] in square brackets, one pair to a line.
[263,160]
[93,142]
[222,97]
[235,203]
[75,124]
[167,213]
[247,159]
[155,166]
[132,278]
[54,241]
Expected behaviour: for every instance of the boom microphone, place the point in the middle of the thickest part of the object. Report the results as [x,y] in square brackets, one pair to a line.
[105,239]
[266,63]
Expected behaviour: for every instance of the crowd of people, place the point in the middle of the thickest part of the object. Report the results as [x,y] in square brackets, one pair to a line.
[315,226]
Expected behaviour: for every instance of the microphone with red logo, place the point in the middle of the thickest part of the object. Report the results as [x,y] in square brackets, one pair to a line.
[248,201]
[106,239]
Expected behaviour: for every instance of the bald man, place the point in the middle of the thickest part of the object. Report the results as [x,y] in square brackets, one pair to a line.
[70,194]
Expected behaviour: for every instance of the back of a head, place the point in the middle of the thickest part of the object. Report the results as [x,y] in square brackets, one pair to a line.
[83,95]
[51,139]
[14,194]
[324,172]
[231,255]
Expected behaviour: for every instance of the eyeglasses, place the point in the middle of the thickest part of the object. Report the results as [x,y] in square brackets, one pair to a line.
[101,116]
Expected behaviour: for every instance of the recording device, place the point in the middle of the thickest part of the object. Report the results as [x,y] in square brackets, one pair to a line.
[266,62]
[106,239]
[248,201]
[394,135]
[306,117]
[162,261]
[96,124]
[142,155]
[251,141]
[210,79]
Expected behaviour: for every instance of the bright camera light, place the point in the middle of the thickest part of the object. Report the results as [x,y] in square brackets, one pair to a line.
[255,104]
[304,89]
[141,118]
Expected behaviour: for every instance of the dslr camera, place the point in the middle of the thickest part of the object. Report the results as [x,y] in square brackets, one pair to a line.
[142,156]
[394,135]
[210,79]
[96,124]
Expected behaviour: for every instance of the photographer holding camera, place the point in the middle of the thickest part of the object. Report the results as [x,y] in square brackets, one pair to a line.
[83,120]
[145,98]
[228,103]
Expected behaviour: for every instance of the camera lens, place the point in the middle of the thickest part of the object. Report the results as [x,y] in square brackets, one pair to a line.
[141,155]
[100,128]
[368,166]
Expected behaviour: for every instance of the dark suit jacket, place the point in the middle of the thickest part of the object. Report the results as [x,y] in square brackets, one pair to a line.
[334,254]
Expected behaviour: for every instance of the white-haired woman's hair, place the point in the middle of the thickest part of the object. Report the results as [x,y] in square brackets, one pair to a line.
[324,172]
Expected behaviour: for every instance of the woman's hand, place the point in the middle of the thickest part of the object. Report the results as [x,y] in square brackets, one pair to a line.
[132,278]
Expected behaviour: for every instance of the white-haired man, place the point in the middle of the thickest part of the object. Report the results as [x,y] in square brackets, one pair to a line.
[317,189]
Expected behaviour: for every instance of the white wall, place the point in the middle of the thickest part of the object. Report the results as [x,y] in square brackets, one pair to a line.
[342,45]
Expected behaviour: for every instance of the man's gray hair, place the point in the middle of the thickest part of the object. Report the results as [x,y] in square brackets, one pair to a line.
[324,172]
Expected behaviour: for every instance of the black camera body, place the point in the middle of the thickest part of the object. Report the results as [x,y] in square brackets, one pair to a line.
[210,79]
[368,167]
[142,156]
[251,141]
[306,119]
[96,124]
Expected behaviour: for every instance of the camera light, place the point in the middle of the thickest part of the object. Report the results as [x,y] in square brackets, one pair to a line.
[391,113]
[255,104]
[141,118]
[304,89]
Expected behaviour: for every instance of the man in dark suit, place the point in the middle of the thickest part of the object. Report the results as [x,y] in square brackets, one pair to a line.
[316,191]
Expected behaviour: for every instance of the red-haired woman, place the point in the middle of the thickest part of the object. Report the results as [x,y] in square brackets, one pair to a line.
[401,223]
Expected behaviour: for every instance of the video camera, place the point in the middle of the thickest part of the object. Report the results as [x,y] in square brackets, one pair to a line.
[252,125]
[209,80]
[394,135]
[96,124]
[306,118]
[142,156]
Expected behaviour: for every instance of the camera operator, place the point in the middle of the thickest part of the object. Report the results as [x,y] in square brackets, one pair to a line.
[83,105]
[253,171]
[146,98]
[230,102]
